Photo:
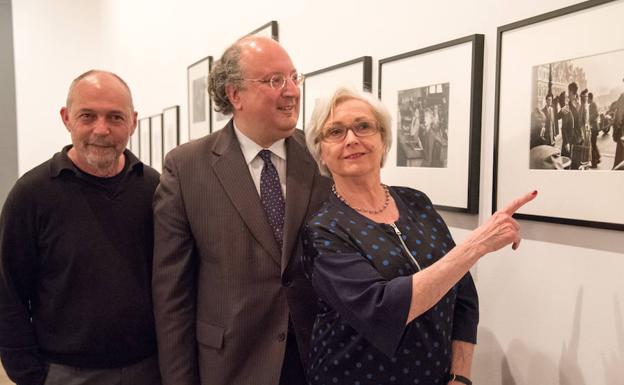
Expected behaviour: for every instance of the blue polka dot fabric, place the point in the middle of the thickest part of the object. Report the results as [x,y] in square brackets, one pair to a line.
[362,274]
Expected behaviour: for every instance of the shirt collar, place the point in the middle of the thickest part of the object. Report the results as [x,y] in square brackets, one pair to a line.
[61,162]
[251,149]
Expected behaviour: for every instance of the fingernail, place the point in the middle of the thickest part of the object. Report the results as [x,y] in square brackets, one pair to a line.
[534,193]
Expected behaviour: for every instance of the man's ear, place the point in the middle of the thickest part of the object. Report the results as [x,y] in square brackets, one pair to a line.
[134,122]
[65,117]
[233,95]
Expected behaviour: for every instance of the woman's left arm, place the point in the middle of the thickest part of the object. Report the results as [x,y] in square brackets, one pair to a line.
[461,359]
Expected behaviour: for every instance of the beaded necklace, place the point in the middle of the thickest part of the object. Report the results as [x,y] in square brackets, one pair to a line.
[385,204]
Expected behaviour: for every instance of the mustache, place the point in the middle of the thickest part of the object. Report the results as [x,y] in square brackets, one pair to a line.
[101,143]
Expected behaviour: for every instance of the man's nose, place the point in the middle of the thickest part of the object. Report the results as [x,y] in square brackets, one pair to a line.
[100,126]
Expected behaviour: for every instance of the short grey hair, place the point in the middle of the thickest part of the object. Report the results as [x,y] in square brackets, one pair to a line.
[324,108]
[74,82]
[226,70]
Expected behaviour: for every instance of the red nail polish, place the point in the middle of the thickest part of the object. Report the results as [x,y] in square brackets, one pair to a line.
[534,193]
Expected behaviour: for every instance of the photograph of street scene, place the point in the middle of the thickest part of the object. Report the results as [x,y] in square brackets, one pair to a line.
[422,137]
[578,114]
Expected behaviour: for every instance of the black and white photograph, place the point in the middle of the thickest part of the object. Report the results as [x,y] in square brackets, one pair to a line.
[199,116]
[561,109]
[578,114]
[434,97]
[422,126]
[171,130]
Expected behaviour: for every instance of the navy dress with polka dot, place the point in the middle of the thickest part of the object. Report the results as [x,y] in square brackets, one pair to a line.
[363,278]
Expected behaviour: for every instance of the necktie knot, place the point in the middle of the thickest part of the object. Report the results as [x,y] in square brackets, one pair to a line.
[265,155]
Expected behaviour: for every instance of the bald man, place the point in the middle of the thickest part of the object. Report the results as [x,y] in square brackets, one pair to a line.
[76,242]
[232,305]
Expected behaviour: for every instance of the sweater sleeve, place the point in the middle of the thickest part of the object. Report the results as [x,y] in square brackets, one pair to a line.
[18,267]
[342,277]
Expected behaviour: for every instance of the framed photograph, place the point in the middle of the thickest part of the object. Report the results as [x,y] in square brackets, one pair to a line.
[171,129]
[156,144]
[356,73]
[559,115]
[268,30]
[434,97]
[199,112]
[145,141]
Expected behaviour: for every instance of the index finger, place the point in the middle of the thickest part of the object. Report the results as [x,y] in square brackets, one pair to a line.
[519,202]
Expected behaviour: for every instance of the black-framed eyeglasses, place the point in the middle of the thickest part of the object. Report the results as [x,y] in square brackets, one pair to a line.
[337,132]
[278,81]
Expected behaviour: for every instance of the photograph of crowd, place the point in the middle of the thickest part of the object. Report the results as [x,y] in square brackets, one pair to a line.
[578,114]
[199,99]
[422,136]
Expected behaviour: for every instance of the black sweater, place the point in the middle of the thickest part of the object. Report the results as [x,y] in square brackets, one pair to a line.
[75,269]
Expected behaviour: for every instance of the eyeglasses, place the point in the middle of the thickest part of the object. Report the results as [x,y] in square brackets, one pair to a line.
[278,81]
[337,132]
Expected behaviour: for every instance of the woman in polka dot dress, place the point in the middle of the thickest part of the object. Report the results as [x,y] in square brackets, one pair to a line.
[397,302]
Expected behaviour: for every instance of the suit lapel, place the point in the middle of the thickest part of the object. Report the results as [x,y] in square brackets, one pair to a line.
[299,177]
[233,173]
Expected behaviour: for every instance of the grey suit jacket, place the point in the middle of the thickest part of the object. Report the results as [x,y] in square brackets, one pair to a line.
[222,289]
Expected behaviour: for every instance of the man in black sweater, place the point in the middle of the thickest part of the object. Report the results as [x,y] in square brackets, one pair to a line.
[76,240]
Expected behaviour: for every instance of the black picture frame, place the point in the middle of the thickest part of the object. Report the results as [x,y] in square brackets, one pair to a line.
[435,98]
[356,73]
[171,128]
[199,103]
[156,142]
[269,29]
[145,140]
[578,196]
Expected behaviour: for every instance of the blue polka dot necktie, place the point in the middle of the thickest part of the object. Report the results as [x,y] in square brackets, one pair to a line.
[271,196]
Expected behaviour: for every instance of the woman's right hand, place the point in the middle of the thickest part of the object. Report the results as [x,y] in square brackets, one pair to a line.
[500,229]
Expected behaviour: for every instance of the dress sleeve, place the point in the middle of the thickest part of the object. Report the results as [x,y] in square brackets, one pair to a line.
[343,278]
[466,316]
[19,351]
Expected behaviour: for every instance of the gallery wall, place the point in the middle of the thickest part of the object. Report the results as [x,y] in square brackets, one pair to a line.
[551,312]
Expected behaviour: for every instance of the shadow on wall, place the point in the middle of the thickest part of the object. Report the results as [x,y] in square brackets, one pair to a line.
[521,365]
[614,363]
[569,369]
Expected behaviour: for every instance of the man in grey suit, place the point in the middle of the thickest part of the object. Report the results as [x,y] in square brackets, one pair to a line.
[231,303]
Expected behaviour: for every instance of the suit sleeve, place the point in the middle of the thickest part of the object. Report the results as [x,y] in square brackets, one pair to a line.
[174,282]
[19,351]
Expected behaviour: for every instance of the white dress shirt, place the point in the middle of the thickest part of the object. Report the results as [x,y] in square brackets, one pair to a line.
[250,151]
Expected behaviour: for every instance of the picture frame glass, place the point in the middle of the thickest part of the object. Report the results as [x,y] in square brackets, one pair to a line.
[171,130]
[145,141]
[573,195]
[156,148]
[319,83]
[429,96]
[199,114]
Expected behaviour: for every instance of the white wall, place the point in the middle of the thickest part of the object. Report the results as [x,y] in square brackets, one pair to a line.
[551,312]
